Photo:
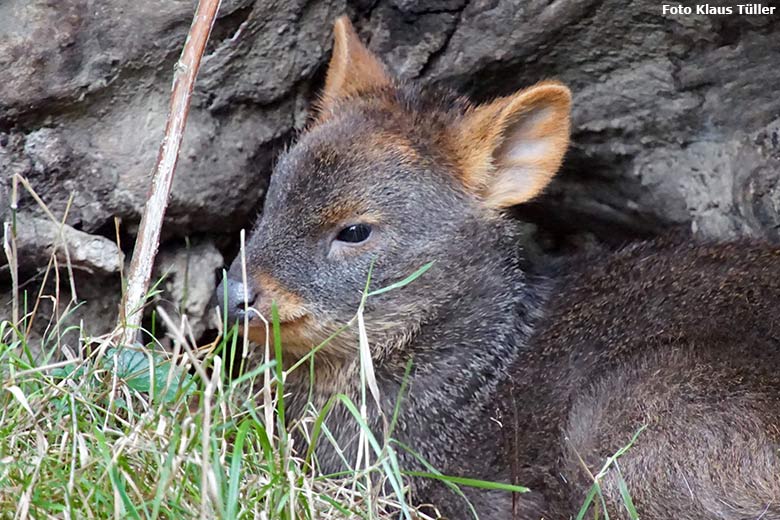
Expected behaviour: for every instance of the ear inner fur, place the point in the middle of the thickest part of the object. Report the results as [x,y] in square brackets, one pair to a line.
[510,149]
[353,68]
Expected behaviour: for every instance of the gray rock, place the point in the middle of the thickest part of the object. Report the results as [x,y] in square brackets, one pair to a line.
[37,240]
[188,277]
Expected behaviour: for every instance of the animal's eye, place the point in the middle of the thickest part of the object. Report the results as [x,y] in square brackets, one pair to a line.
[354,234]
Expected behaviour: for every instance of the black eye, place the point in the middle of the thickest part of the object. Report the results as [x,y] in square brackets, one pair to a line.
[355,233]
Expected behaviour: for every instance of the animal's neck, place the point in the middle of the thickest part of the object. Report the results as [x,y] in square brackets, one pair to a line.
[468,350]
[459,355]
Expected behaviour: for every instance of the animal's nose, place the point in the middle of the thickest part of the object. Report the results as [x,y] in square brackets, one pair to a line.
[233,295]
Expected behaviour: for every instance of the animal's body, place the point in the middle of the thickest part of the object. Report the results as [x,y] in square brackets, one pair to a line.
[517,377]
[681,338]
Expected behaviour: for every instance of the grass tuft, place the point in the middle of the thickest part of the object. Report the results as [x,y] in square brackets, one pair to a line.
[121,431]
[140,433]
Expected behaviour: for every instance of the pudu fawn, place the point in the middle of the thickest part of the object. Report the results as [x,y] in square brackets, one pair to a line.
[516,377]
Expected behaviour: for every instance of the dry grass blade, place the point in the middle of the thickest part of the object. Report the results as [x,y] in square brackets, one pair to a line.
[151,222]
[9,246]
[60,223]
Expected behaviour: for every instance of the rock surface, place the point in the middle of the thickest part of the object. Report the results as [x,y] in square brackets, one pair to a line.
[38,239]
[189,277]
[676,120]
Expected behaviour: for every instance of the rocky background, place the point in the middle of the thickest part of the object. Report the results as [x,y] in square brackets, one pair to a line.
[676,120]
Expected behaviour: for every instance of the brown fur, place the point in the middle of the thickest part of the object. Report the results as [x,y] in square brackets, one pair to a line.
[352,70]
[288,304]
[517,377]
[682,338]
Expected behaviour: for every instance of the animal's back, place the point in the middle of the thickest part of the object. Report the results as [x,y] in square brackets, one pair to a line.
[682,339]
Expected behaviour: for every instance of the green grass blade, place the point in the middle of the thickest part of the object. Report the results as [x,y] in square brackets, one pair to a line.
[628,502]
[588,501]
[235,471]
[470,482]
[279,368]
[406,281]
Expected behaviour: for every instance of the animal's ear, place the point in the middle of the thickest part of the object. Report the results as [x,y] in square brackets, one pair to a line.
[511,148]
[353,68]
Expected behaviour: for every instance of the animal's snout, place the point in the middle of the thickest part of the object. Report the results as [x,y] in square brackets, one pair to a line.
[233,295]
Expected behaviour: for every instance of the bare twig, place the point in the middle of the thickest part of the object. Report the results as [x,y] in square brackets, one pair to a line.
[151,222]
[14,265]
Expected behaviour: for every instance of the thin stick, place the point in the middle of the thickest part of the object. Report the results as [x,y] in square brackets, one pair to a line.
[151,222]
[9,244]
